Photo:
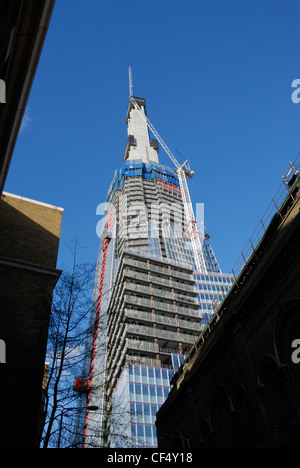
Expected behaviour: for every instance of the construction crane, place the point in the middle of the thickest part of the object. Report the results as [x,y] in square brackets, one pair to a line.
[183,171]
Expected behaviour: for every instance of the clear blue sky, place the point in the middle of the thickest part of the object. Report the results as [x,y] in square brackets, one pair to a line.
[216,76]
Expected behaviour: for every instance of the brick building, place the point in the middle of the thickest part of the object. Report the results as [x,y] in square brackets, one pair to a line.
[29,236]
[29,240]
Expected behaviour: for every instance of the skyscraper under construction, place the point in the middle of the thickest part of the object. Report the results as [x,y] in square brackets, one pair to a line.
[152,297]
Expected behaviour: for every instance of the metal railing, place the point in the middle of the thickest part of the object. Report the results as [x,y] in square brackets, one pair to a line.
[141,345]
[155,318]
[159,293]
[147,362]
[150,347]
[162,281]
[158,333]
[274,208]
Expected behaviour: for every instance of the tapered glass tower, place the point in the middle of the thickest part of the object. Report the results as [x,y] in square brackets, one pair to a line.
[150,302]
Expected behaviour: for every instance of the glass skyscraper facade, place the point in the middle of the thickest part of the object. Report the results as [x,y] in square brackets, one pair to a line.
[150,303]
[146,389]
[212,288]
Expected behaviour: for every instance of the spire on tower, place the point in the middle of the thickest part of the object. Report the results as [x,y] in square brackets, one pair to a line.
[139,145]
[130,82]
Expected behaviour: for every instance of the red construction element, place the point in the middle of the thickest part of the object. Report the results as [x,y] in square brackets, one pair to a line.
[169,187]
[80,386]
[96,324]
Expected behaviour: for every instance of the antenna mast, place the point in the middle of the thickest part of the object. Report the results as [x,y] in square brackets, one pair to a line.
[130,82]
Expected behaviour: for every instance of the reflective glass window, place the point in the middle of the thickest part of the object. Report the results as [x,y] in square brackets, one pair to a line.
[151,375]
[152,394]
[139,412]
[138,392]
[147,416]
[148,433]
[157,375]
[146,393]
[144,375]
[132,412]
[137,374]
[160,398]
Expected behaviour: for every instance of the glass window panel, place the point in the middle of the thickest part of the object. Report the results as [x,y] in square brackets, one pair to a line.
[138,391]
[165,377]
[131,391]
[146,393]
[137,373]
[147,416]
[148,433]
[157,375]
[153,413]
[132,412]
[140,431]
[160,397]
[139,412]
[133,430]
[151,375]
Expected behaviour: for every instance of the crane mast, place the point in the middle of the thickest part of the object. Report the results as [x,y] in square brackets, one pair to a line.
[182,171]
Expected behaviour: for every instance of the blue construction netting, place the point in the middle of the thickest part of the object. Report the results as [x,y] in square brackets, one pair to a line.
[136,167]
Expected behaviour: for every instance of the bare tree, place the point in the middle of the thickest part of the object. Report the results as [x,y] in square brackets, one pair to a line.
[68,354]
[68,331]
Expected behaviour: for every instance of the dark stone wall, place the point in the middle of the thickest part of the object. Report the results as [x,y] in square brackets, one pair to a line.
[29,238]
